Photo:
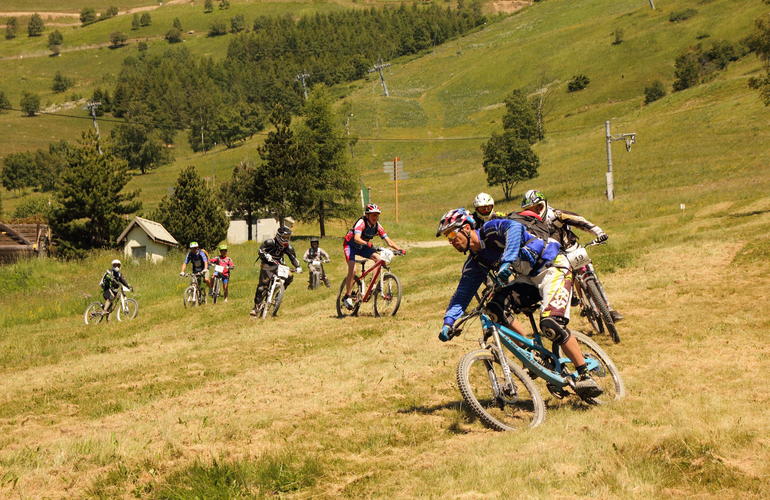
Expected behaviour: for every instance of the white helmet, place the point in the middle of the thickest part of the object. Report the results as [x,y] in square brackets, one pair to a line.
[483,200]
[484,206]
[115,262]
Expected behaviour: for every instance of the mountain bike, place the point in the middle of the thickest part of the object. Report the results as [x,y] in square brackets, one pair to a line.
[194,294]
[124,307]
[216,283]
[588,293]
[504,395]
[315,272]
[272,299]
[385,287]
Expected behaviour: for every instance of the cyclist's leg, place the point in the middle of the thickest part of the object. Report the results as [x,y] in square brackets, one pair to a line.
[265,275]
[107,295]
[350,258]
[225,287]
[288,281]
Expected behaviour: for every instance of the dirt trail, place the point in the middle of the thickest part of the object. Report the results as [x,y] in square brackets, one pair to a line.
[52,14]
[47,53]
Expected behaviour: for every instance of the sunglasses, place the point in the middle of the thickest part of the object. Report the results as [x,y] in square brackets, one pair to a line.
[451,235]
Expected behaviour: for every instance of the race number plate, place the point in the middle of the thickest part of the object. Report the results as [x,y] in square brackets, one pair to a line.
[283,271]
[219,269]
[578,258]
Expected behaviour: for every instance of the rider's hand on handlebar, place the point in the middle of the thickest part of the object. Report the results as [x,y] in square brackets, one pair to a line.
[504,273]
[445,334]
[298,270]
[602,238]
[268,258]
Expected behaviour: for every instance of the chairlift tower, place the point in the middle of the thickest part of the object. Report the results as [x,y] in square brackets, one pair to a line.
[378,68]
[629,140]
[91,107]
[301,77]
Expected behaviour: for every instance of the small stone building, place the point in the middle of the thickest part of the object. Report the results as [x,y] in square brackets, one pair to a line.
[263,229]
[146,239]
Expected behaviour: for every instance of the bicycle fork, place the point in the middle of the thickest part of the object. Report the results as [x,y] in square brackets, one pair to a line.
[509,389]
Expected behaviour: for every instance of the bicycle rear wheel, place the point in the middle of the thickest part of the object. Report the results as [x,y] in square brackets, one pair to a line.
[606,374]
[190,297]
[356,293]
[129,312]
[94,315]
[481,380]
[604,311]
[387,297]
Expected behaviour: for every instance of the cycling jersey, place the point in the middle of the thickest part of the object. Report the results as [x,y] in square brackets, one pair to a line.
[502,241]
[560,222]
[112,279]
[317,254]
[225,262]
[365,230]
[198,260]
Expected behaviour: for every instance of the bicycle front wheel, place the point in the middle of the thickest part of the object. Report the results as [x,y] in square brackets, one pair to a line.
[190,297]
[387,297]
[598,300]
[483,386]
[356,293]
[127,311]
[94,314]
[605,374]
[277,299]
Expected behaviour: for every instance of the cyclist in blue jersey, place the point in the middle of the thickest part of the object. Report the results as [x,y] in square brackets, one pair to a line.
[200,263]
[506,246]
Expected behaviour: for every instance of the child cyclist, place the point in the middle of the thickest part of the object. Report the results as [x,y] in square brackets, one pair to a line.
[227,263]
[111,282]
[358,243]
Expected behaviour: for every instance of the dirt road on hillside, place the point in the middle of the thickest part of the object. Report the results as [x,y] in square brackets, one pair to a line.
[53,15]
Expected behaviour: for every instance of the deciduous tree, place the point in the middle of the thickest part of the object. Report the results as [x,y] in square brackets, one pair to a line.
[30,103]
[508,159]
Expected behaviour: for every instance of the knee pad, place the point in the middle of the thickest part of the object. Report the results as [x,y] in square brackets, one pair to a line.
[555,329]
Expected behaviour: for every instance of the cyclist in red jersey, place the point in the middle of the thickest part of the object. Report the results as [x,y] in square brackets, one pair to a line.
[358,243]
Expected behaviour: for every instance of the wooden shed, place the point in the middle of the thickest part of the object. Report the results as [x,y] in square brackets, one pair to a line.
[23,240]
[146,239]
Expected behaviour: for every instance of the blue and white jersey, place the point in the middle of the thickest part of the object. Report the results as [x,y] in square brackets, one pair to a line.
[502,240]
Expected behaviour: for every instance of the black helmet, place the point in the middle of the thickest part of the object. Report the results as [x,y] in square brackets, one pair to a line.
[283,234]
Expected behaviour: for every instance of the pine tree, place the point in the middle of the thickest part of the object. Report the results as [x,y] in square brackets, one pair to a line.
[331,179]
[208,6]
[55,41]
[87,15]
[91,204]
[35,26]
[193,212]
[146,19]
[61,82]
[242,195]
[11,26]
[177,24]
[135,24]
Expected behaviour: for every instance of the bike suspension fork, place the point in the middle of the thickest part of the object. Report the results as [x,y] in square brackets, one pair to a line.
[503,362]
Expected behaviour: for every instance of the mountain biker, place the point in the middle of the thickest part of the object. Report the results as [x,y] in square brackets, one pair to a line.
[315,252]
[228,264]
[561,223]
[358,243]
[111,282]
[484,210]
[272,252]
[200,263]
[506,246]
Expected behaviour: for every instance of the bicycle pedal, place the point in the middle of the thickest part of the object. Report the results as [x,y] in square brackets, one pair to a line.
[557,392]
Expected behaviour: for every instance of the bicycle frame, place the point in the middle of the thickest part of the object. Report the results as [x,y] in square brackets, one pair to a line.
[377,268]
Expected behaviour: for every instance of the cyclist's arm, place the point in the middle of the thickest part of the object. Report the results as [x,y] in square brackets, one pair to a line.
[205,262]
[324,256]
[306,257]
[472,277]
[292,256]
[513,232]
[392,244]
[578,221]
[184,263]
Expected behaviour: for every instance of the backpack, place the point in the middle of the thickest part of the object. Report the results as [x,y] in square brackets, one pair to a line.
[535,226]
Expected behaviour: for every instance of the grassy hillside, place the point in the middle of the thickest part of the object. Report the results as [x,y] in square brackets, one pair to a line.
[185,403]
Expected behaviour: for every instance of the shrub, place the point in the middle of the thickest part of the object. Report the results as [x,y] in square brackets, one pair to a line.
[30,104]
[4,102]
[654,92]
[35,26]
[110,12]
[11,25]
[578,82]
[174,35]
[142,46]
[61,82]
[146,19]
[681,15]
[118,39]
[87,16]
[218,28]
[237,23]
[208,6]
[135,24]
